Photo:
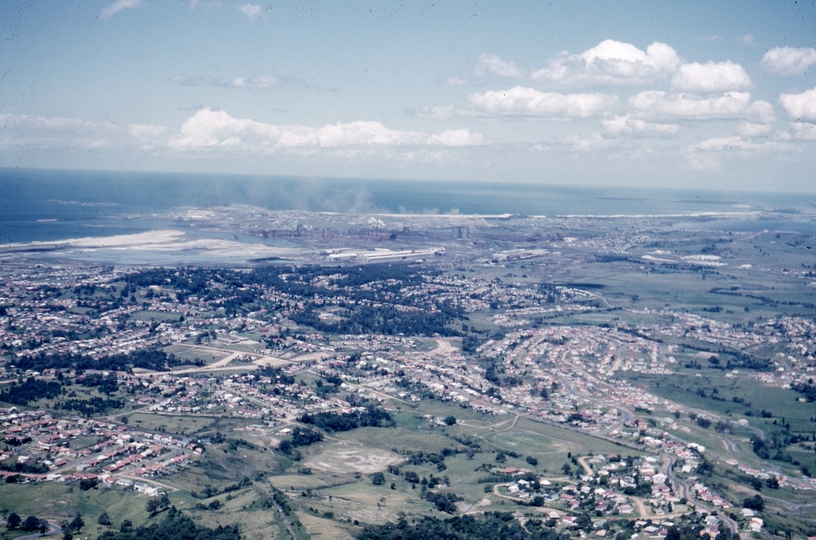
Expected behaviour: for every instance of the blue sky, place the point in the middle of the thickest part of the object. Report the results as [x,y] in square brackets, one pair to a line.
[686,94]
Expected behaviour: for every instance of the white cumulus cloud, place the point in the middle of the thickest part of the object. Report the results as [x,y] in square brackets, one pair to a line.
[788,61]
[216,129]
[802,131]
[611,62]
[709,154]
[264,81]
[629,125]
[250,10]
[735,142]
[657,104]
[118,6]
[146,131]
[520,101]
[55,132]
[750,129]
[800,106]
[711,77]
[591,143]
[490,65]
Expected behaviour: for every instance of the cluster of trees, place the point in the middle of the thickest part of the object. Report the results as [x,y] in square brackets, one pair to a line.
[760,447]
[373,283]
[33,523]
[443,502]
[14,441]
[438,459]
[376,282]
[384,319]
[29,524]
[378,479]
[703,422]
[778,441]
[470,344]
[234,444]
[807,390]
[155,505]
[105,384]
[30,390]
[495,373]
[496,476]
[241,291]
[689,531]
[300,437]
[27,467]
[177,525]
[210,491]
[282,503]
[754,503]
[642,489]
[92,406]
[305,437]
[427,483]
[490,526]
[150,358]
[738,359]
[88,483]
[332,422]
[69,528]
[277,375]
[214,505]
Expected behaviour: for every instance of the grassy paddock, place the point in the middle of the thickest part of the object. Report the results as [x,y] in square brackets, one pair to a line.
[57,501]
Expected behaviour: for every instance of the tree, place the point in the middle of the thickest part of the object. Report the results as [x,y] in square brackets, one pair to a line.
[77,523]
[673,533]
[152,506]
[584,522]
[378,479]
[88,483]
[532,461]
[754,503]
[450,420]
[104,519]
[13,521]
[31,523]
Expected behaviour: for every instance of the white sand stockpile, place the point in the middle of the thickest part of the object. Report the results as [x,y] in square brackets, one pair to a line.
[163,241]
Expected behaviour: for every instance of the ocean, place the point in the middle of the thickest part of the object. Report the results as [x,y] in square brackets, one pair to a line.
[48,205]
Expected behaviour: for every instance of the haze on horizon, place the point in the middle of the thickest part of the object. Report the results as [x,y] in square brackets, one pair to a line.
[691,95]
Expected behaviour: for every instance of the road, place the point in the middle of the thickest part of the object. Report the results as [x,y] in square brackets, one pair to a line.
[684,492]
[585,465]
